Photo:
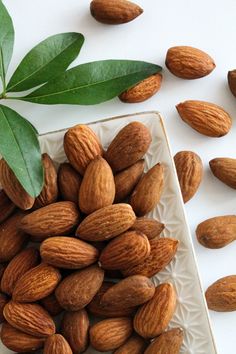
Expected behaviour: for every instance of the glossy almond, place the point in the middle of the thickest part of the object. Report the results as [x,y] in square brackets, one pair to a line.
[134,345]
[128,146]
[221,295]
[6,206]
[217,232]
[106,223]
[97,189]
[69,182]
[13,188]
[225,170]
[162,252]
[126,180]
[206,118]
[188,62]
[148,191]
[143,90]
[114,12]
[153,317]
[110,334]
[150,227]
[169,342]
[29,318]
[52,220]
[81,146]
[77,290]
[56,344]
[190,171]
[232,81]
[126,250]
[3,301]
[51,305]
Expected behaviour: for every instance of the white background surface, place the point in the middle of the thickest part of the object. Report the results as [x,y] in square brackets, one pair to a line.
[207,24]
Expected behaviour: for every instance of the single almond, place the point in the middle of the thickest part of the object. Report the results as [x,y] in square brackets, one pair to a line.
[3,301]
[134,345]
[169,342]
[6,206]
[221,295]
[56,344]
[51,305]
[225,170]
[150,227]
[69,182]
[232,81]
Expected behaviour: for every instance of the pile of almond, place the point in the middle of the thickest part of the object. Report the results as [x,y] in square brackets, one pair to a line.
[85,250]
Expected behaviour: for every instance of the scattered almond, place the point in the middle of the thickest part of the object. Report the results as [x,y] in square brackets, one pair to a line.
[134,345]
[225,170]
[168,342]
[232,81]
[221,295]
[69,182]
[56,344]
[150,227]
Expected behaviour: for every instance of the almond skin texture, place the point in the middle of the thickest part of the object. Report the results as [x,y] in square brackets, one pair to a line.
[77,290]
[167,343]
[18,341]
[51,305]
[29,318]
[81,146]
[56,344]
[189,169]
[134,345]
[77,254]
[19,265]
[52,220]
[232,81]
[12,240]
[206,118]
[114,12]
[75,328]
[188,62]
[69,182]
[150,227]
[128,146]
[221,295]
[106,223]
[110,334]
[147,193]
[6,206]
[217,232]
[153,317]
[143,90]
[126,180]
[126,250]
[36,284]
[162,252]
[3,301]
[225,170]
[97,189]
[13,188]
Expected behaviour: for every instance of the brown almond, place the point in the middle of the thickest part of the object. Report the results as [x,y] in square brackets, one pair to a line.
[189,169]
[206,118]
[106,223]
[97,189]
[114,12]
[221,295]
[6,206]
[168,342]
[81,146]
[56,344]
[153,317]
[128,146]
[51,305]
[2,270]
[134,345]
[3,301]
[232,81]
[150,227]
[69,182]
[148,191]
[188,62]
[224,169]
[110,334]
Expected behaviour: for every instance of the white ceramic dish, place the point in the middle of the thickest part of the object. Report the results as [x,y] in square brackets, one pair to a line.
[191,313]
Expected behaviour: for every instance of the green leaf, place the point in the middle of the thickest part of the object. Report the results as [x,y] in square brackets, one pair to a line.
[19,146]
[92,83]
[48,59]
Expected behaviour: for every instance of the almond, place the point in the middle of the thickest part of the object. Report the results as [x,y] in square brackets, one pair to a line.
[68,252]
[13,188]
[29,318]
[126,250]
[162,252]
[167,343]
[153,317]
[188,62]
[134,345]
[126,180]
[52,220]
[147,193]
[221,295]
[143,90]
[6,206]
[232,81]
[189,170]
[2,270]
[3,301]
[110,334]
[150,227]
[51,305]
[77,290]
[56,344]
[69,182]
[97,189]
[81,146]
[128,146]
[114,12]
[18,341]
[75,328]
[106,223]
[206,118]
[12,240]
[217,232]
[225,170]
[18,266]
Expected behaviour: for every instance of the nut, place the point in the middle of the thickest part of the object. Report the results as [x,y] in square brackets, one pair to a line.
[69,182]
[221,296]
[225,170]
